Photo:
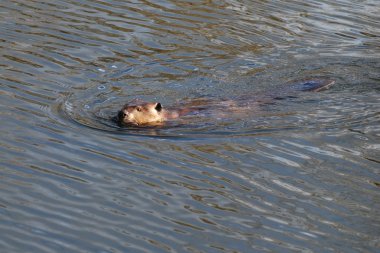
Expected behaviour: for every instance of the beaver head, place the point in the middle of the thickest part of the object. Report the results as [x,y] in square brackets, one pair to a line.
[141,113]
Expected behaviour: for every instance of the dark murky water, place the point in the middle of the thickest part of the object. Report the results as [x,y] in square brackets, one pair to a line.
[294,175]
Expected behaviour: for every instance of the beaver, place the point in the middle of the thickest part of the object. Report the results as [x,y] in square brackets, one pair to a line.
[141,113]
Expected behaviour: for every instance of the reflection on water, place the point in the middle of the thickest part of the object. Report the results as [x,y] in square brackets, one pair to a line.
[299,174]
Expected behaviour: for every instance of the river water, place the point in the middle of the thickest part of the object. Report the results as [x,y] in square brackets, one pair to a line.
[297,174]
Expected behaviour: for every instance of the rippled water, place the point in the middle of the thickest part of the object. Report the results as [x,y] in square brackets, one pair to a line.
[299,174]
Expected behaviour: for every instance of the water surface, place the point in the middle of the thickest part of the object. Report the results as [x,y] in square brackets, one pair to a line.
[299,174]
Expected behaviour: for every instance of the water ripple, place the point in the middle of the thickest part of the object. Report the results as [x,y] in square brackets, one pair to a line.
[298,173]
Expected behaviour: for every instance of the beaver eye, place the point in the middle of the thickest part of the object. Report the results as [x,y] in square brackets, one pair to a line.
[139,109]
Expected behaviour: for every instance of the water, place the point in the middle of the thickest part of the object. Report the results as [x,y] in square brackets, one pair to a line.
[299,174]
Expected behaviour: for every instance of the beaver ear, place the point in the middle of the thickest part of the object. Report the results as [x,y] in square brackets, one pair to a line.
[158,107]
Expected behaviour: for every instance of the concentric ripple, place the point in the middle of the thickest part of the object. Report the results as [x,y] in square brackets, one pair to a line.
[268,101]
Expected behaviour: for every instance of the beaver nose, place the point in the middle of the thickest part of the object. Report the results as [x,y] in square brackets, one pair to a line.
[121,115]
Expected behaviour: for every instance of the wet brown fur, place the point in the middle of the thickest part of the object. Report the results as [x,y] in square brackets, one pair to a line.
[141,113]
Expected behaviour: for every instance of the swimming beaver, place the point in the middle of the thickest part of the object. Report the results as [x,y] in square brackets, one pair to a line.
[140,113]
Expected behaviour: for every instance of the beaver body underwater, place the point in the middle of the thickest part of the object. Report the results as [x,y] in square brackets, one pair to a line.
[141,113]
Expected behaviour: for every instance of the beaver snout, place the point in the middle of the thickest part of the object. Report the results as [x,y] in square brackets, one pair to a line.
[121,115]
